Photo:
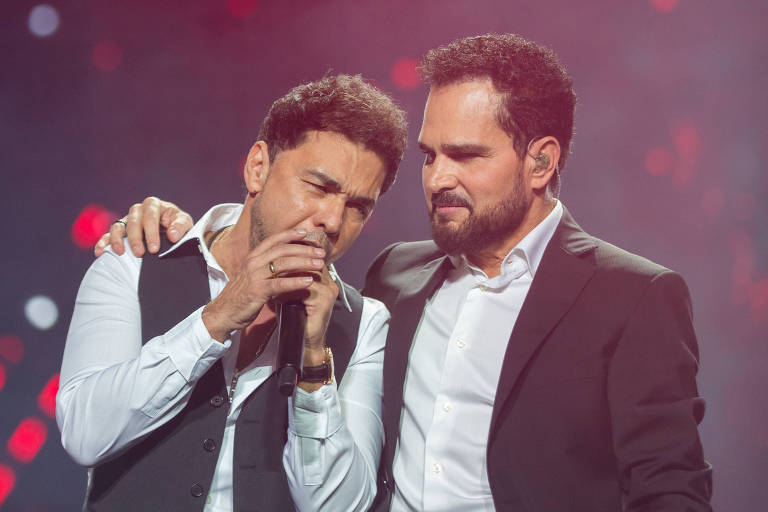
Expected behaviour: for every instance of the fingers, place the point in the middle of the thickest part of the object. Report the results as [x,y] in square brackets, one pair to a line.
[134,229]
[176,221]
[150,222]
[115,237]
[294,264]
[98,249]
[281,238]
[285,285]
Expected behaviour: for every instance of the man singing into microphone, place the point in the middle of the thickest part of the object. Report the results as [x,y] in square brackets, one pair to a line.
[168,388]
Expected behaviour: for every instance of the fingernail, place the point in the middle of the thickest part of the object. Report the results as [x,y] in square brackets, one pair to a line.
[306,280]
[153,247]
[135,248]
[319,252]
[173,231]
[317,263]
[301,232]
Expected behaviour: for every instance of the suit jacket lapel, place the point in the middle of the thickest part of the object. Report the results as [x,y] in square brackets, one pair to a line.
[560,277]
[406,314]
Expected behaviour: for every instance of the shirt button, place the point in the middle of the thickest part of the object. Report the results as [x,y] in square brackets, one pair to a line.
[461,344]
[436,468]
[447,407]
[217,401]
[196,490]
[209,445]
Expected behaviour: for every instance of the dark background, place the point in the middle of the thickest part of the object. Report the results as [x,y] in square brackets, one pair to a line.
[128,99]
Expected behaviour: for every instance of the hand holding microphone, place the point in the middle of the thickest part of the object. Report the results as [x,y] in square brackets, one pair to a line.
[302,327]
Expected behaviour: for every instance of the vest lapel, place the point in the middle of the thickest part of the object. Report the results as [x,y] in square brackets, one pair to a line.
[560,277]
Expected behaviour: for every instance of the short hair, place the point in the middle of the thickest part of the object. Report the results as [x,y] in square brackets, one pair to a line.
[343,104]
[537,98]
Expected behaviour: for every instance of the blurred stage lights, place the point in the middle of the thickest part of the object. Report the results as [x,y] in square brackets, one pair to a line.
[41,312]
[92,222]
[7,481]
[403,73]
[43,20]
[242,8]
[658,162]
[664,5]
[26,441]
[46,400]
[106,56]
[11,348]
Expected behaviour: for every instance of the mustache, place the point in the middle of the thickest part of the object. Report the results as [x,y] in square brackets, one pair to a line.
[318,239]
[448,198]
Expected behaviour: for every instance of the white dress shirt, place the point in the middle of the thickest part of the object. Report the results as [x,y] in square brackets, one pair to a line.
[453,372]
[114,391]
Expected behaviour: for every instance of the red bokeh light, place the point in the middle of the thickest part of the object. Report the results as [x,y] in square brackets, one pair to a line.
[658,162]
[46,400]
[403,73]
[2,377]
[242,8]
[106,56]
[7,481]
[27,439]
[687,140]
[664,5]
[92,222]
[11,348]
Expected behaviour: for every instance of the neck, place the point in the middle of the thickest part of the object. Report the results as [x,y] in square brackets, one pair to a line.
[232,247]
[490,257]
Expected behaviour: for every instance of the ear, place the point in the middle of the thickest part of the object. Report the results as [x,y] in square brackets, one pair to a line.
[543,156]
[256,168]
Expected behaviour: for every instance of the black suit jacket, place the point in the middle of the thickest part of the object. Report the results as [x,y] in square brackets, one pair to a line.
[596,407]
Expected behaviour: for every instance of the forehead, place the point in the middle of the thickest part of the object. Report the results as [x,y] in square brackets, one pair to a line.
[356,169]
[464,110]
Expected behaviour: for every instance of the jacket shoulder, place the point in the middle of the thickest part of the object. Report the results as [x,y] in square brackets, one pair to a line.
[394,264]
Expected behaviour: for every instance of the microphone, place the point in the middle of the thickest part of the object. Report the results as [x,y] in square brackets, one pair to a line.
[290,351]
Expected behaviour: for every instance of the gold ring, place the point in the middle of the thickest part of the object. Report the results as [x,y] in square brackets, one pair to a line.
[272,269]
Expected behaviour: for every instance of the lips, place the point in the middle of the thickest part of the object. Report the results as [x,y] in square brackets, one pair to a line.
[448,201]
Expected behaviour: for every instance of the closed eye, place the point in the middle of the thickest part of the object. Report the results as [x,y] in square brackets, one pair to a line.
[459,157]
[361,208]
[318,186]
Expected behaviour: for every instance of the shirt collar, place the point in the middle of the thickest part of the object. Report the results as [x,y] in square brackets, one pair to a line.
[223,215]
[530,248]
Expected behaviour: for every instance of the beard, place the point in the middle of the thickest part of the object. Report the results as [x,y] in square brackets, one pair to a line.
[258,230]
[483,227]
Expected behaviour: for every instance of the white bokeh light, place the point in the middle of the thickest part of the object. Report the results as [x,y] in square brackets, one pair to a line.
[43,20]
[41,312]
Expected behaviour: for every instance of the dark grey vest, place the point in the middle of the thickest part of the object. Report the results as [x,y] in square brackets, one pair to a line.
[171,468]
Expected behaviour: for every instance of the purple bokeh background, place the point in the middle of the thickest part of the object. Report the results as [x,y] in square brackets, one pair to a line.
[127,99]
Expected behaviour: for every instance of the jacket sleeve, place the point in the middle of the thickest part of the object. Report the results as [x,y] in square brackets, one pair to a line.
[654,404]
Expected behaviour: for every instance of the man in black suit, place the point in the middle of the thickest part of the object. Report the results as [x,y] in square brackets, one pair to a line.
[529,366]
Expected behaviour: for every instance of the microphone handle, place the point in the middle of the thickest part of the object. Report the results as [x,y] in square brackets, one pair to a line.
[290,352]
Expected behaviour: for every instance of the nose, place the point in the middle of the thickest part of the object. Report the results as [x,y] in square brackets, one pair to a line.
[440,175]
[330,215]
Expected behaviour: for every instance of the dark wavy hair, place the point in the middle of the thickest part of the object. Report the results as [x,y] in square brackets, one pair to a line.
[343,104]
[537,97]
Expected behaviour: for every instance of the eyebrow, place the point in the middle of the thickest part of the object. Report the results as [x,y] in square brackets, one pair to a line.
[335,186]
[459,148]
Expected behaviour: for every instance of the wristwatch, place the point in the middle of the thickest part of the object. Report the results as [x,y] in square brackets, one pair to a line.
[320,373]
